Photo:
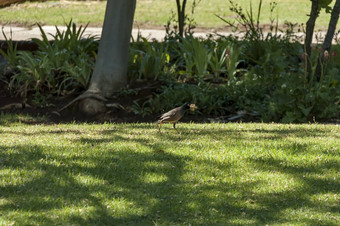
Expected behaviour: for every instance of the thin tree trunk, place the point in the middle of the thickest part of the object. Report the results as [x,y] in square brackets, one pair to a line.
[314,13]
[181,16]
[110,72]
[5,3]
[328,39]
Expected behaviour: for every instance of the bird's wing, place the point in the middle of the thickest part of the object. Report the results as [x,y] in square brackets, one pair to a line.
[169,114]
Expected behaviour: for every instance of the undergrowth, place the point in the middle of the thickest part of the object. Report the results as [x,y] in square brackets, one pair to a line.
[263,73]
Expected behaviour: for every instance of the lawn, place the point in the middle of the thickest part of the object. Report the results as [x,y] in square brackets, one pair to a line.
[153,12]
[130,174]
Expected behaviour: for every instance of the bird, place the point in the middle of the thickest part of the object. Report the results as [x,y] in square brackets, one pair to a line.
[174,115]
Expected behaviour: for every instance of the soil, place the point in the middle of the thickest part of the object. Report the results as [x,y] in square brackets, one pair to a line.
[118,109]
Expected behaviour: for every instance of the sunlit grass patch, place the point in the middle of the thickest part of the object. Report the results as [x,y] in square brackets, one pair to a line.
[203,174]
[154,12]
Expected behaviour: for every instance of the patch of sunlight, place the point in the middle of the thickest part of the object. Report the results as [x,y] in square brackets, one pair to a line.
[122,207]
[6,222]
[12,177]
[239,221]
[88,180]
[274,182]
[154,178]
[316,214]
[4,201]
[327,199]
[155,165]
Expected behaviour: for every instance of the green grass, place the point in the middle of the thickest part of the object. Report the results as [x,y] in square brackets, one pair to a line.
[152,12]
[129,174]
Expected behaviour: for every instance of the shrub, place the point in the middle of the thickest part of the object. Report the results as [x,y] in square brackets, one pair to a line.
[58,67]
[148,60]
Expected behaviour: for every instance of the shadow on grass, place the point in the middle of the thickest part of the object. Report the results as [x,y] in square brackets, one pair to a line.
[313,182]
[112,186]
[56,186]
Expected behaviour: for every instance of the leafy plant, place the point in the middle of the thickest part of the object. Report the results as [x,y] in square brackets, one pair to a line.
[233,60]
[60,66]
[148,61]
[195,57]
[218,63]
[295,101]
[210,99]
[11,53]
[246,20]
[33,74]
[142,110]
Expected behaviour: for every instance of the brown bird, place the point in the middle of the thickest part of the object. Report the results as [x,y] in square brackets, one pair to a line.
[174,115]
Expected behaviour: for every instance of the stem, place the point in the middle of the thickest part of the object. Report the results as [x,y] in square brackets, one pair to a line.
[314,13]
[181,16]
[328,39]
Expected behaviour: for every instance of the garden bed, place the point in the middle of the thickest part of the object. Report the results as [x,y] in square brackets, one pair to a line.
[50,113]
[260,78]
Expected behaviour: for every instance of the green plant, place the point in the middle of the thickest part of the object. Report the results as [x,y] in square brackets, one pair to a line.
[211,100]
[232,61]
[39,100]
[246,20]
[218,63]
[59,67]
[220,56]
[11,53]
[71,55]
[195,57]
[294,101]
[184,24]
[148,61]
[34,74]
[142,110]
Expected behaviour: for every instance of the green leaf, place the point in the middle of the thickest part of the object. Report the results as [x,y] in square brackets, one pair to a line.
[304,110]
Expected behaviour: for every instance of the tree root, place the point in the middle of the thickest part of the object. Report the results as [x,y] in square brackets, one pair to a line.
[83,96]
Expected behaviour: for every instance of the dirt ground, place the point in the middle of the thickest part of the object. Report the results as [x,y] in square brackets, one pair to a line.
[118,109]
[18,105]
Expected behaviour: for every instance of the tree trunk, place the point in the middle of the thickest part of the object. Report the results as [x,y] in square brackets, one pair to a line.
[110,72]
[328,39]
[314,13]
[181,16]
[5,3]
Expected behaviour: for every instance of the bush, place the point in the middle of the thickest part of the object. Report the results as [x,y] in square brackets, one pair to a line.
[260,73]
[59,67]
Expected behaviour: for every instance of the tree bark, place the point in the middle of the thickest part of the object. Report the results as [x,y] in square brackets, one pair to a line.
[110,72]
[314,13]
[326,46]
[181,16]
[5,3]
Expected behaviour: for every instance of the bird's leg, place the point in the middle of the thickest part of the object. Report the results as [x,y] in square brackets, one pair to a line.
[174,125]
[159,126]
